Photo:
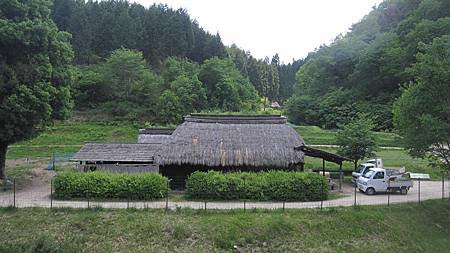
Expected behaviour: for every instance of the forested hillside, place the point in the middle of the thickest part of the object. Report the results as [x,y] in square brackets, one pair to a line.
[364,70]
[157,64]
[98,28]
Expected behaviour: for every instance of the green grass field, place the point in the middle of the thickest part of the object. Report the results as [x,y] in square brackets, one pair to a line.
[68,137]
[314,135]
[398,228]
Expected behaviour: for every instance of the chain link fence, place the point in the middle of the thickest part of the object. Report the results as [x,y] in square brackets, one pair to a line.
[349,195]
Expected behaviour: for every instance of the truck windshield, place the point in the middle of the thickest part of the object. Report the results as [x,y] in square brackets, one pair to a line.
[360,168]
[368,174]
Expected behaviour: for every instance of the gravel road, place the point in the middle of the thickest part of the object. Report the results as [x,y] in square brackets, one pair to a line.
[40,197]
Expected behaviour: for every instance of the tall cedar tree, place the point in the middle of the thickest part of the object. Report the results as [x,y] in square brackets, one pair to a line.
[34,71]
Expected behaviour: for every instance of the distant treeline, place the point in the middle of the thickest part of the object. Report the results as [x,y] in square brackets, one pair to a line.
[364,70]
[107,32]
[98,28]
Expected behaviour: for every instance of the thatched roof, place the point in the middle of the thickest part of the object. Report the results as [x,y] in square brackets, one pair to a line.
[114,152]
[154,135]
[231,141]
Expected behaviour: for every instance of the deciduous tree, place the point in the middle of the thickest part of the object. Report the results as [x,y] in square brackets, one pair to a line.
[35,73]
[422,113]
[355,139]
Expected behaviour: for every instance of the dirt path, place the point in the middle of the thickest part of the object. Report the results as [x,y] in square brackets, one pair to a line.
[39,196]
[32,180]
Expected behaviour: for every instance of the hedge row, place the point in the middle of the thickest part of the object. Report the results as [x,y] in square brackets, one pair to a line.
[104,185]
[271,185]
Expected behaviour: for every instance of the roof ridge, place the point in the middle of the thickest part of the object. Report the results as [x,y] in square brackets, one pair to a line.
[236,119]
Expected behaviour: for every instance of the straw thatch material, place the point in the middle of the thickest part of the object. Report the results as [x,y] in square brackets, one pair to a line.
[114,152]
[233,141]
[154,135]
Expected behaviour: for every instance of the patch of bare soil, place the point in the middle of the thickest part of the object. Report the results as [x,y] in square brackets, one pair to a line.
[37,177]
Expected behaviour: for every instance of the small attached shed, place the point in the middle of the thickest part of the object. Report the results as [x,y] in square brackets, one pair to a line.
[230,143]
[117,157]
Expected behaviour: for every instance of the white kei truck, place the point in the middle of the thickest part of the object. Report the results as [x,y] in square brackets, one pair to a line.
[376,180]
[372,163]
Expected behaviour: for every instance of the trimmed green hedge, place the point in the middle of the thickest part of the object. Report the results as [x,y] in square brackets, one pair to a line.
[271,185]
[106,185]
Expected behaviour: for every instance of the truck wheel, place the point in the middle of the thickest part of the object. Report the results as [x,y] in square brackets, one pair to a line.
[403,191]
[370,191]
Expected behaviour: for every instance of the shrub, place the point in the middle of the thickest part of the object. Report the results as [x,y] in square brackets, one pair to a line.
[271,185]
[106,185]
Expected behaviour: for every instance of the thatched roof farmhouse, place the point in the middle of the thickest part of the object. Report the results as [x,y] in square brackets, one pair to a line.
[205,142]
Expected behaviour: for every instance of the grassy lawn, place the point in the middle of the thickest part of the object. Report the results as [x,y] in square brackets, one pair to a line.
[68,137]
[314,135]
[391,158]
[398,228]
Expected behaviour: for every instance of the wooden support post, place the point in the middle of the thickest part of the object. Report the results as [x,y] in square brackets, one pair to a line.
[14,192]
[323,167]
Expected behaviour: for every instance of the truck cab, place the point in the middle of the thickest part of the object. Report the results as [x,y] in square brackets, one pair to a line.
[363,168]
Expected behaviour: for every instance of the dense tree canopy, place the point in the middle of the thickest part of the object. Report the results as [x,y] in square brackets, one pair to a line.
[422,113]
[226,88]
[100,27]
[35,76]
[125,87]
[368,65]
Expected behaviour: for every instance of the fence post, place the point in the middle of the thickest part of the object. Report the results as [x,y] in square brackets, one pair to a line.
[443,185]
[205,205]
[388,191]
[14,192]
[128,200]
[354,203]
[245,204]
[167,195]
[419,190]
[51,193]
[321,193]
[53,161]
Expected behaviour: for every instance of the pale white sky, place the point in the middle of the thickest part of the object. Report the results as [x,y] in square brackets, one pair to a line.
[291,28]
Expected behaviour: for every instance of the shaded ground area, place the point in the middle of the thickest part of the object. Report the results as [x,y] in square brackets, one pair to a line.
[28,174]
[397,228]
